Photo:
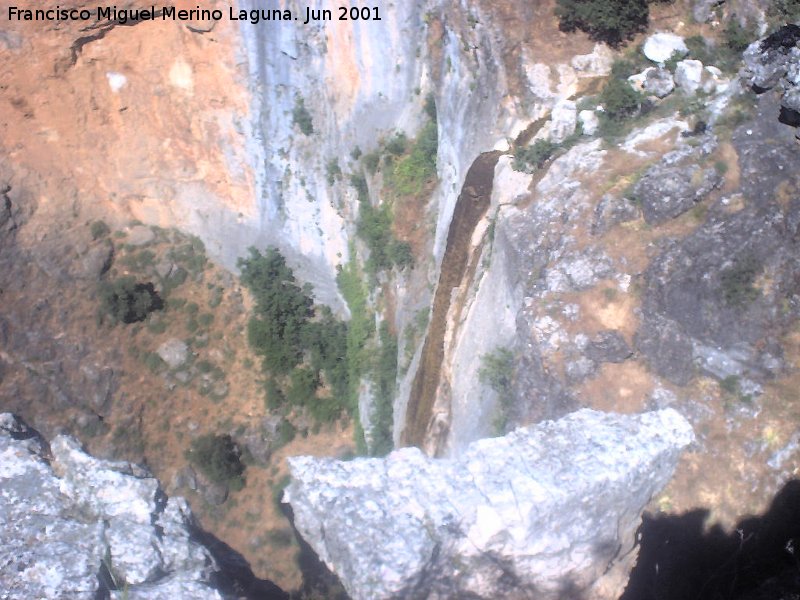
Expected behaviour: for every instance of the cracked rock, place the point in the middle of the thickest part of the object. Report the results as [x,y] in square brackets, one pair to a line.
[512,517]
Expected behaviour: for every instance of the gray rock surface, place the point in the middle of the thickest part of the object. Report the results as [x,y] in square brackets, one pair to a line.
[174,352]
[658,82]
[674,185]
[139,235]
[774,61]
[702,9]
[689,75]
[706,302]
[543,509]
[608,346]
[660,47]
[67,518]
[611,211]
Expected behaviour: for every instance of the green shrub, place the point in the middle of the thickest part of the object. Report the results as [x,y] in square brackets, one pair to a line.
[274,398]
[398,144]
[430,106]
[303,387]
[620,101]
[737,282]
[730,384]
[497,371]
[282,309]
[126,301]
[333,171]
[372,161]
[156,326]
[154,362]
[218,458]
[384,376]
[699,49]
[374,226]
[99,229]
[301,117]
[785,10]
[533,157]
[413,171]
[610,21]
[738,38]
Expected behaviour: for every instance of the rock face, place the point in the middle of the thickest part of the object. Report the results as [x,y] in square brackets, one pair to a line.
[538,512]
[775,62]
[707,303]
[674,185]
[74,526]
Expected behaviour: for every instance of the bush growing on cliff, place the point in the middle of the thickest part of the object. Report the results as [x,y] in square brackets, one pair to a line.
[301,117]
[497,371]
[126,301]
[533,157]
[385,377]
[374,226]
[282,310]
[99,229]
[620,101]
[218,458]
[785,10]
[610,21]
[418,167]
[737,282]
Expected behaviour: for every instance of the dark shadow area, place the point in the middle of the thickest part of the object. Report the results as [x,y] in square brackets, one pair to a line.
[789,117]
[236,578]
[318,581]
[681,559]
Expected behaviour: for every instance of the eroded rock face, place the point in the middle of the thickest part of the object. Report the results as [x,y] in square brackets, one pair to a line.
[542,510]
[74,525]
[718,299]
[675,184]
[774,62]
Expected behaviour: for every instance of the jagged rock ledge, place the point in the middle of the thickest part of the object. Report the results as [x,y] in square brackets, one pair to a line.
[546,510]
[78,527]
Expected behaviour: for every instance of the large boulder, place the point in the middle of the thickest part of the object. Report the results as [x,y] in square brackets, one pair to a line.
[660,47]
[689,75]
[543,510]
[75,526]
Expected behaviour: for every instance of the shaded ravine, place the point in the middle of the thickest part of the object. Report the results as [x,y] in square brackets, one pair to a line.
[471,206]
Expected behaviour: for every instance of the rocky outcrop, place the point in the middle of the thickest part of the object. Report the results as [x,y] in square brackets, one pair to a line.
[545,510]
[774,62]
[675,184]
[75,526]
[719,299]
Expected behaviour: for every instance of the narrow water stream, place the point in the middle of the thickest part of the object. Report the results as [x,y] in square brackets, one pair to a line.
[471,206]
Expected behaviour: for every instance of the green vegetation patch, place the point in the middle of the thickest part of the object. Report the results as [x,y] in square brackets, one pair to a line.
[737,282]
[218,458]
[124,300]
[497,371]
[412,171]
[282,310]
[301,117]
[611,21]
